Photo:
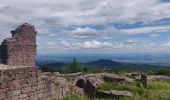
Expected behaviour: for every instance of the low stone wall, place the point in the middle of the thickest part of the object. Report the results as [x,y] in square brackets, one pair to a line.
[27,83]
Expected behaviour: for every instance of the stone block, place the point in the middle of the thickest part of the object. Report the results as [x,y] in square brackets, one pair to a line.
[2,96]
[34,97]
[26,90]
[15,98]
[23,81]
[13,93]
[40,96]
[23,96]
[7,99]
[21,71]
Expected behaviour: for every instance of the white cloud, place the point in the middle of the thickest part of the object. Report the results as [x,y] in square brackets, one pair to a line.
[85,32]
[59,45]
[129,45]
[133,41]
[94,44]
[149,29]
[166,44]
[80,12]
[65,44]
[53,16]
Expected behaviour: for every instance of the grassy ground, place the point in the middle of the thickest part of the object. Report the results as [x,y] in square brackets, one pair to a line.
[74,97]
[156,90]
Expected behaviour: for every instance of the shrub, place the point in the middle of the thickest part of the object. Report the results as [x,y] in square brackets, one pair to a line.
[46,68]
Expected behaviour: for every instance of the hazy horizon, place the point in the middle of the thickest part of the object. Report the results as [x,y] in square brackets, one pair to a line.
[152,59]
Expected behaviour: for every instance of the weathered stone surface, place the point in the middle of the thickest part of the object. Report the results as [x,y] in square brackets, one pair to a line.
[20,49]
[113,93]
[144,80]
[158,77]
[32,86]
[112,78]
[19,77]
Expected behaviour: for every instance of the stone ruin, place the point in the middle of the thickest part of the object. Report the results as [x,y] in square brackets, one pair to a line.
[144,80]
[20,49]
[20,79]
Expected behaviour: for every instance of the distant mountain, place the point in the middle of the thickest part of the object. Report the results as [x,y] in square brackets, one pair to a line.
[104,63]
[54,65]
[101,63]
[98,63]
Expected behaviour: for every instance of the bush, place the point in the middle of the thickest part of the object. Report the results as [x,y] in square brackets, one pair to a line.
[163,71]
[73,67]
[46,68]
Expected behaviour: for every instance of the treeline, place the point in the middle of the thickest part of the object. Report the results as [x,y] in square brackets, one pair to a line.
[72,67]
[155,70]
[75,66]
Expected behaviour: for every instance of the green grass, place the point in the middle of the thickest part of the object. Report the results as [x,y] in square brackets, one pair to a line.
[156,90]
[74,97]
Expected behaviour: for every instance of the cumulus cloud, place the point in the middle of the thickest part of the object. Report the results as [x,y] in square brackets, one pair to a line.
[129,45]
[149,29]
[94,44]
[85,32]
[59,45]
[53,18]
[166,44]
[80,12]
[133,41]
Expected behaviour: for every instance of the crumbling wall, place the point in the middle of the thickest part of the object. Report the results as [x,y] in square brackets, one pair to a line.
[27,83]
[0,55]
[19,77]
[20,49]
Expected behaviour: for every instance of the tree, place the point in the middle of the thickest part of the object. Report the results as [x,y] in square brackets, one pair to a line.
[85,69]
[74,67]
[163,71]
[46,68]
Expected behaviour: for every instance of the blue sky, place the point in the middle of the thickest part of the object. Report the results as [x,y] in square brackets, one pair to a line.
[95,26]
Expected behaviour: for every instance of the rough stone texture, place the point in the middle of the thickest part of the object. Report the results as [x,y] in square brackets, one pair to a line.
[19,77]
[20,49]
[84,85]
[113,93]
[158,77]
[135,76]
[144,80]
[87,85]
[117,79]
[27,83]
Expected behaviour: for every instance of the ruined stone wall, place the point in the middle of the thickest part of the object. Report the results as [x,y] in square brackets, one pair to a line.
[27,83]
[19,77]
[20,49]
[0,55]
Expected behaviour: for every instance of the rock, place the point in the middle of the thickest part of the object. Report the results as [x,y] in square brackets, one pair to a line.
[136,76]
[144,80]
[114,78]
[158,77]
[113,93]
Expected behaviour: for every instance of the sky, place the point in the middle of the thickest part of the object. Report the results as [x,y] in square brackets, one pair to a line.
[91,26]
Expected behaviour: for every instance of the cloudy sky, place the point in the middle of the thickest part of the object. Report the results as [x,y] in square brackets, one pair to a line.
[91,25]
